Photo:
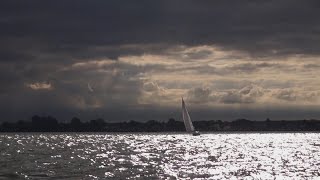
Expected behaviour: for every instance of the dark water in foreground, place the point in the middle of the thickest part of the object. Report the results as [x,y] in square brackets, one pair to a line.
[160,156]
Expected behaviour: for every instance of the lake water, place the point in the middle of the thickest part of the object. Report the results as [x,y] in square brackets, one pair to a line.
[160,156]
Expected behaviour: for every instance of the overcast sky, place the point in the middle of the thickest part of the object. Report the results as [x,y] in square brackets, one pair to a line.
[133,60]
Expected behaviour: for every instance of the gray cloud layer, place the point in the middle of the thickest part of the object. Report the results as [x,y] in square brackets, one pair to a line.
[50,51]
[75,28]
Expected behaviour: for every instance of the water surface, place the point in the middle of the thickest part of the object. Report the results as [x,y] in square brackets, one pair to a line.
[159,156]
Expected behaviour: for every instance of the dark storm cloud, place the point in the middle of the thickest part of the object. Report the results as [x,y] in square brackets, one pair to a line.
[40,40]
[74,27]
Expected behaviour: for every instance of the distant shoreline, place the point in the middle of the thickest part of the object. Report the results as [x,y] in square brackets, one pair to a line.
[50,124]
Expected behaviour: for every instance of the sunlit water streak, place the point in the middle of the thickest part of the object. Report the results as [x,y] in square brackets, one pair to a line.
[160,156]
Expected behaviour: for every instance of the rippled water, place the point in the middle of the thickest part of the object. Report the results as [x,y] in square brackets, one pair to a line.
[160,156]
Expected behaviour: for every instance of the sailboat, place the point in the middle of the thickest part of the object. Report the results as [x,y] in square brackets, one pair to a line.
[187,120]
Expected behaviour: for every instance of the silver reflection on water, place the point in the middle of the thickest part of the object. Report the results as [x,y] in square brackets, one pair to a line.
[160,156]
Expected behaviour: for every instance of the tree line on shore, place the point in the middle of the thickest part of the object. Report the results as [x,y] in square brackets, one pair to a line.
[51,124]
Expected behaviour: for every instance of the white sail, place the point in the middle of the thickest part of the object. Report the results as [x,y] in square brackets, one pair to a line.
[186,118]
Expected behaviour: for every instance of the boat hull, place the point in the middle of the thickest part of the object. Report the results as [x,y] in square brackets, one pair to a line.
[196,133]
